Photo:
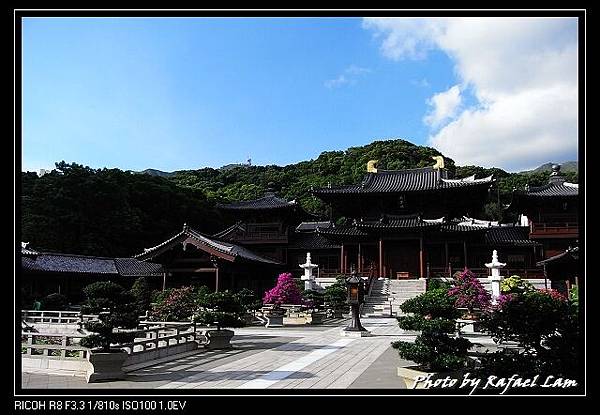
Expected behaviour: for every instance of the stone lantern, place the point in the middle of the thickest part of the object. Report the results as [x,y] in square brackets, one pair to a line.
[308,277]
[495,278]
[356,295]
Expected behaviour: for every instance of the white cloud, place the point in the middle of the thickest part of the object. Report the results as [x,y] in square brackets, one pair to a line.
[523,73]
[348,77]
[445,105]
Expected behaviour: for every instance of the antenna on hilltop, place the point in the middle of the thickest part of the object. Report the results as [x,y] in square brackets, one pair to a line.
[249,160]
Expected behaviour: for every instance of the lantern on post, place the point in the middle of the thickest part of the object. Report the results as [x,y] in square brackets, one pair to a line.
[356,296]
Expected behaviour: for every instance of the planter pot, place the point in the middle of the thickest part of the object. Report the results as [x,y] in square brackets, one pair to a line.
[410,375]
[218,339]
[274,319]
[337,314]
[314,318]
[106,366]
[248,319]
[469,325]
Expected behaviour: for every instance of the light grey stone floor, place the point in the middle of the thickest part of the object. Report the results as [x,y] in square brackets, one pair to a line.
[316,357]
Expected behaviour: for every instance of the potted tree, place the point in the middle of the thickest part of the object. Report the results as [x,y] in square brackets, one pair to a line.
[434,351]
[177,304]
[249,303]
[286,291]
[335,298]
[220,309]
[313,302]
[117,315]
[468,293]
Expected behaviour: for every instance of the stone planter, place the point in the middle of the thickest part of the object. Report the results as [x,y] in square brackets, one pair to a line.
[248,319]
[106,366]
[314,318]
[410,374]
[468,325]
[218,339]
[275,318]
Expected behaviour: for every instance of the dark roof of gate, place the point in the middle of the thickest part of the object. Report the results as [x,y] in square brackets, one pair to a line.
[269,201]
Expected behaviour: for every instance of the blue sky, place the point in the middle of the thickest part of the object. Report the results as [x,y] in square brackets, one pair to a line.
[188,93]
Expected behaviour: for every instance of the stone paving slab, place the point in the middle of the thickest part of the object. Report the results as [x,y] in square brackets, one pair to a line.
[281,358]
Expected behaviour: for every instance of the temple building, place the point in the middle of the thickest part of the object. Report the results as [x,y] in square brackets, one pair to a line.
[44,273]
[551,212]
[193,258]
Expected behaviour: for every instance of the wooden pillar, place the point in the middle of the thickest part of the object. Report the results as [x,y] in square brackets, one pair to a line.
[359,259]
[465,253]
[447,264]
[342,270]
[216,279]
[346,269]
[421,258]
[164,281]
[381,272]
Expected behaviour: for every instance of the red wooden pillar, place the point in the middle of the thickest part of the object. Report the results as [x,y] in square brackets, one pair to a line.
[421,258]
[381,271]
[359,259]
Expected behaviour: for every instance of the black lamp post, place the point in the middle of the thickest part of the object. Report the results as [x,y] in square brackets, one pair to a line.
[356,295]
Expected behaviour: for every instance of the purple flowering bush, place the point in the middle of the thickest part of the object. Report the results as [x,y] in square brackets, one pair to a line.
[468,292]
[286,291]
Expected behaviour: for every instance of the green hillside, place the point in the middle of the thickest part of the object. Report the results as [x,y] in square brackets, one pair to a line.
[112,212]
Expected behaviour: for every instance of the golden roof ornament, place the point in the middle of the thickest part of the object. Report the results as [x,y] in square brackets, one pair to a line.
[439,162]
[372,166]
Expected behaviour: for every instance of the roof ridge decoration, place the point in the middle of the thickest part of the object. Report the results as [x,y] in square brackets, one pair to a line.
[372,166]
[439,162]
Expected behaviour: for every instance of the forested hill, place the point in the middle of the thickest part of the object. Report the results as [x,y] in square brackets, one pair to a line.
[111,212]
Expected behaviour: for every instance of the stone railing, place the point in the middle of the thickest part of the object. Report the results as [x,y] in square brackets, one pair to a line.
[155,335]
[55,317]
[63,346]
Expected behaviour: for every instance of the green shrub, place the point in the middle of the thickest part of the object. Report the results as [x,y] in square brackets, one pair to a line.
[335,295]
[248,300]
[221,309]
[117,310]
[515,285]
[55,301]
[436,283]
[140,290]
[433,314]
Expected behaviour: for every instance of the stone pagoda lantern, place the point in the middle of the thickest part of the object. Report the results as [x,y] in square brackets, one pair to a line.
[308,277]
[495,278]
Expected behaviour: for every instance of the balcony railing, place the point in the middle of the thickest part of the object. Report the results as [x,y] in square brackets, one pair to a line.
[554,228]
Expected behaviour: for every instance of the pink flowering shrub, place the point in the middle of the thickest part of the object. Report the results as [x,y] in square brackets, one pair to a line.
[286,291]
[556,295]
[179,305]
[468,292]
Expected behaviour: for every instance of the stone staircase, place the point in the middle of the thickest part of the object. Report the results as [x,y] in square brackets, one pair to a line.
[388,293]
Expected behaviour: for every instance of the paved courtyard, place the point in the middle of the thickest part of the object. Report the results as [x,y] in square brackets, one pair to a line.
[275,358]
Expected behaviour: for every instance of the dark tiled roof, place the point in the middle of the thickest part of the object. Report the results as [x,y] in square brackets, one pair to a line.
[81,264]
[25,250]
[310,241]
[132,267]
[466,224]
[342,230]
[269,201]
[509,235]
[230,231]
[553,189]
[411,180]
[312,226]
[231,251]
[399,221]
[569,255]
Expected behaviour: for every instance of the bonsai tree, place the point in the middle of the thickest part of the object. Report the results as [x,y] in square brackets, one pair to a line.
[286,291]
[55,301]
[313,299]
[546,326]
[468,292]
[248,300]
[116,309]
[221,309]
[335,296]
[178,304]
[140,290]
[433,314]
